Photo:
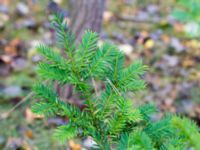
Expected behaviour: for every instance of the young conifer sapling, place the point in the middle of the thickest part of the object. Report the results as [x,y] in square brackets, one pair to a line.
[99,76]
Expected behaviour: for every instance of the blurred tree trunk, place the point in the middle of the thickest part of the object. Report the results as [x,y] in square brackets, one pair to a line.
[85,14]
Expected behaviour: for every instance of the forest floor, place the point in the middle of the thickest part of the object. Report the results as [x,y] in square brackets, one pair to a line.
[144,31]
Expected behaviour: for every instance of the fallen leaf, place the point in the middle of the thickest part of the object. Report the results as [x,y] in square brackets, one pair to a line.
[58,1]
[29,134]
[30,117]
[165,38]
[5,2]
[107,16]
[126,49]
[74,146]
[6,59]
[13,47]
[178,27]
[22,9]
[194,75]
[188,62]
[149,44]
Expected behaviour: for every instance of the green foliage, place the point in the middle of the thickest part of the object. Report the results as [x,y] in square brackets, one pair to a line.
[65,132]
[188,12]
[65,37]
[86,50]
[162,131]
[109,116]
[147,110]
[129,78]
[188,130]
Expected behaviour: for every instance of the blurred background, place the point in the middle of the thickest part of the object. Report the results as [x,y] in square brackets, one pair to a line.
[164,34]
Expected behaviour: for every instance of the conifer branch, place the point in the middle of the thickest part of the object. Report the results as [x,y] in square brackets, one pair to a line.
[108,116]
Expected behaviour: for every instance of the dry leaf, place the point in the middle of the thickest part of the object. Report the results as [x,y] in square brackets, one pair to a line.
[30,117]
[165,39]
[13,47]
[195,75]
[74,146]
[178,27]
[6,59]
[188,62]
[126,49]
[5,2]
[149,44]
[29,134]
[107,16]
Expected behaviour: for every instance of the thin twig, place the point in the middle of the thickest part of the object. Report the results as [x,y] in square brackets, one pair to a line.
[95,87]
[113,86]
[6,114]
[136,20]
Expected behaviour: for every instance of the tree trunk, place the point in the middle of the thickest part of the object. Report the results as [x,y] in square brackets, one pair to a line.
[85,14]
